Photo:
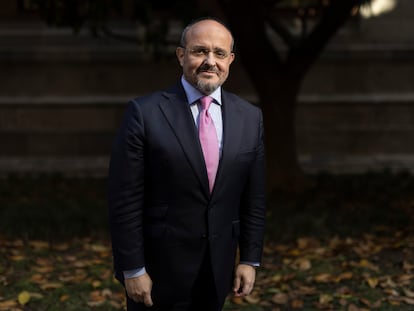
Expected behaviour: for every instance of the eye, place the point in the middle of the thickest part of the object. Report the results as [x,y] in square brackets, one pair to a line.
[220,53]
[200,51]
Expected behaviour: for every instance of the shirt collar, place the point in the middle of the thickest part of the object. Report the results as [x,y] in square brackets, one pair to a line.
[194,95]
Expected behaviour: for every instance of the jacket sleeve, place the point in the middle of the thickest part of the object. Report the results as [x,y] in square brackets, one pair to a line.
[253,209]
[126,191]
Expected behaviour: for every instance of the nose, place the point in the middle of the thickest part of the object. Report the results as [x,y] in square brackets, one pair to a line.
[209,58]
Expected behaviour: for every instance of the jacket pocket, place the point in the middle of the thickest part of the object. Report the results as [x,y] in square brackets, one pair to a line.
[246,156]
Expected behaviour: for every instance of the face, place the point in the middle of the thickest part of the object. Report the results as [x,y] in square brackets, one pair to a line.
[207,55]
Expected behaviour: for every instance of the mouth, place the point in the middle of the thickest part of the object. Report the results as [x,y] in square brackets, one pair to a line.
[206,69]
[208,72]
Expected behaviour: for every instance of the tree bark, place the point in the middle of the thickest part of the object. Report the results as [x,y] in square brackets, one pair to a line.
[278,98]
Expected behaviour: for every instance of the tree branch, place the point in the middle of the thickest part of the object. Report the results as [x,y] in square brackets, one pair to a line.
[304,55]
[121,37]
[282,31]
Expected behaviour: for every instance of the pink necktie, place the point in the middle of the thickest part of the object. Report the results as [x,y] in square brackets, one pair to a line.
[208,139]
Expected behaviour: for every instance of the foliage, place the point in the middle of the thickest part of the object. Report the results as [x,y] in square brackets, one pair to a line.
[154,18]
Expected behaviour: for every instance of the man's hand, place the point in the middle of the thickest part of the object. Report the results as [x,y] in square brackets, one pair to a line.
[139,289]
[244,278]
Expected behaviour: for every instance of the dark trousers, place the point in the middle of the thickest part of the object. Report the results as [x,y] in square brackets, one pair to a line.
[203,295]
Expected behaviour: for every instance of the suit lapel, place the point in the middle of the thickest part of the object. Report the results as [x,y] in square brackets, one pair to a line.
[232,125]
[178,114]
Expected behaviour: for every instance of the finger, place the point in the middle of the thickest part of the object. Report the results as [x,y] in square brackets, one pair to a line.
[247,288]
[236,285]
[136,298]
[148,300]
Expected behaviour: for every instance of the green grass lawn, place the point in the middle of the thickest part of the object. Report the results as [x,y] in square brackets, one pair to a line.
[346,244]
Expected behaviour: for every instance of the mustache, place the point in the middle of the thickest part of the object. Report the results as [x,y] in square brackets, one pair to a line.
[207,67]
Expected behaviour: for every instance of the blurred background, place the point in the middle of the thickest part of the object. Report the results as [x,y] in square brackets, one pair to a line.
[69,67]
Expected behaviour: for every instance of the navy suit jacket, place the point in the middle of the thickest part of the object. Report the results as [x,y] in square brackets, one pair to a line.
[162,215]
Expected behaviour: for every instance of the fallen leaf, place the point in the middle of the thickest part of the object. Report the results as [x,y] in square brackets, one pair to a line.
[252,299]
[391,292]
[64,298]
[405,279]
[364,263]
[408,266]
[377,304]
[297,304]
[372,282]
[17,257]
[51,285]
[365,302]
[344,276]
[95,303]
[280,298]
[23,298]
[36,295]
[323,278]
[307,290]
[409,301]
[99,248]
[45,269]
[353,307]
[39,245]
[60,247]
[6,305]
[408,293]
[302,264]
[325,299]
[106,292]
[276,278]
[38,279]
[115,304]
[237,300]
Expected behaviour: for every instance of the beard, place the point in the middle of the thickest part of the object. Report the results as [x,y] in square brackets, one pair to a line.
[207,87]
[204,85]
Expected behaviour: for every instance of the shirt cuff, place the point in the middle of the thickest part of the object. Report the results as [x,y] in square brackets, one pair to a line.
[254,264]
[129,274]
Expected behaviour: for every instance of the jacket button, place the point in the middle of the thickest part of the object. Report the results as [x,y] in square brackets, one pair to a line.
[204,236]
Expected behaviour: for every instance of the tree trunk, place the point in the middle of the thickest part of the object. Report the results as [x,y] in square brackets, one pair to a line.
[278,99]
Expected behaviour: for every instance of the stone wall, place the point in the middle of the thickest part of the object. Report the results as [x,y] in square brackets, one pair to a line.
[62,98]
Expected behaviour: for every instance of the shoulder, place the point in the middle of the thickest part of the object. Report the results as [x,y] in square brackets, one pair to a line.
[241,103]
[152,100]
[146,100]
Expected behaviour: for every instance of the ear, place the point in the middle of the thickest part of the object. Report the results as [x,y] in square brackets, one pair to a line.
[231,58]
[179,52]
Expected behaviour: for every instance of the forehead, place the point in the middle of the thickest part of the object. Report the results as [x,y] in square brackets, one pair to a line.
[209,33]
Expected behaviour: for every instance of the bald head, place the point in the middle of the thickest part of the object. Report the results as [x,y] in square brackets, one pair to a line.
[209,22]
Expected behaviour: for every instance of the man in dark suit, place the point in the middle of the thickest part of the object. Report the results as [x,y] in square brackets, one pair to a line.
[186,185]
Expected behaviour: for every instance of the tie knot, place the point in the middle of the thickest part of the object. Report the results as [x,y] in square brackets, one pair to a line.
[206,102]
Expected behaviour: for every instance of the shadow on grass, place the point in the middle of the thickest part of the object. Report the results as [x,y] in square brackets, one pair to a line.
[345,205]
[53,207]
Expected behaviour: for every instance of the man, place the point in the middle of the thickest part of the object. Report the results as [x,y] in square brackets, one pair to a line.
[186,185]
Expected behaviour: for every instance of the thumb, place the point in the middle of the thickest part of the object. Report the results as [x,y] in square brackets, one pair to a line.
[236,284]
[148,300]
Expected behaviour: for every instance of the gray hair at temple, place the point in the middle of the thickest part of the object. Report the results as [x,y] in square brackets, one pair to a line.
[195,21]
